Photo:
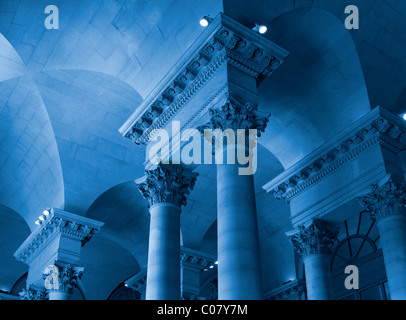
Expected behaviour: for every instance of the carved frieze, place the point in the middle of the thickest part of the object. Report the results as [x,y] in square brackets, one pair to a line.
[380,129]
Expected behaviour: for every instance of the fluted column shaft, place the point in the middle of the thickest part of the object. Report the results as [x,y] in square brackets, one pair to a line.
[313,242]
[165,188]
[386,202]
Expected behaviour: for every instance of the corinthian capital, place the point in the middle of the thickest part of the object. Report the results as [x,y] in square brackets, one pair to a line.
[316,237]
[67,277]
[167,183]
[232,115]
[385,199]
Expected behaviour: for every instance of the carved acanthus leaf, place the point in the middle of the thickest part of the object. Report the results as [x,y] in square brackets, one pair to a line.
[318,237]
[167,183]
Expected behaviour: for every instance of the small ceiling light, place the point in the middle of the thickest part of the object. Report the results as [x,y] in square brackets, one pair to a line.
[205,21]
[260,28]
[211,267]
[41,218]
[38,223]
[46,212]
[404,116]
[216,262]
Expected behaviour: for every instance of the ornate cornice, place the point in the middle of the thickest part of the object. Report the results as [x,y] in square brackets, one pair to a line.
[377,127]
[167,184]
[34,294]
[386,198]
[223,42]
[315,237]
[195,260]
[61,223]
[138,282]
[292,290]
[191,259]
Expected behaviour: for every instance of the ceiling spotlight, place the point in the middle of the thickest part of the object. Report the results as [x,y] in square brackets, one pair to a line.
[211,267]
[216,262]
[404,116]
[41,218]
[205,21]
[38,223]
[46,212]
[260,28]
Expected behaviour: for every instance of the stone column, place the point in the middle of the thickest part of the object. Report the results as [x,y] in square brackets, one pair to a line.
[239,265]
[165,188]
[386,202]
[314,242]
[52,252]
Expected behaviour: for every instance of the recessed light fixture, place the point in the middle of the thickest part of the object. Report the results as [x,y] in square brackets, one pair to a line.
[216,262]
[260,28]
[46,212]
[205,21]
[404,116]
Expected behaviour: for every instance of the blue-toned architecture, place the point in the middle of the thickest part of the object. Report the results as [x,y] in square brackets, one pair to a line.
[147,156]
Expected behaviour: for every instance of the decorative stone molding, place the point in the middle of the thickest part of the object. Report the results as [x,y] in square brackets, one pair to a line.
[68,277]
[192,260]
[293,290]
[195,260]
[377,127]
[234,116]
[315,237]
[224,42]
[167,184]
[61,223]
[138,282]
[385,198]
[34,294]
